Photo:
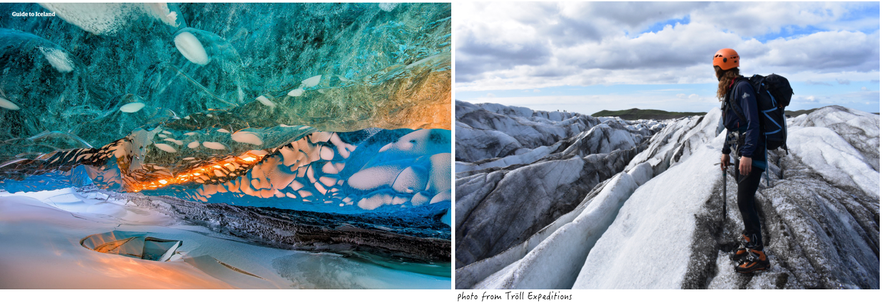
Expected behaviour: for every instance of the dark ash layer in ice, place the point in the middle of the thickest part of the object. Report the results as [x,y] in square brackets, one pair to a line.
[418,239]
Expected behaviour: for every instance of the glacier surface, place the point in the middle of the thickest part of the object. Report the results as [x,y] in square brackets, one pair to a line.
[658,222]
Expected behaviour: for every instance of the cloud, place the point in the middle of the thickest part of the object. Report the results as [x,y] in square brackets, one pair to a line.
[842,81]
[684,96]
[815,83]
[753,19]
[610,19]
[824,51]
[535,45]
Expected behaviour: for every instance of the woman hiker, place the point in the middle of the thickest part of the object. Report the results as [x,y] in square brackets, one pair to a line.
[746,138]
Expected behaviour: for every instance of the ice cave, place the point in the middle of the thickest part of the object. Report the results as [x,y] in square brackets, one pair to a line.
[224,145]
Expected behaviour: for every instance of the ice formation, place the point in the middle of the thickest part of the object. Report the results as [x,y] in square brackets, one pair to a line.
[296,92]
[58,59]
[59,219]
[165,147]
[264,100]
[246,137]
[401,173]
[8,104]
[191,48]
[132,107]
[110,18]
[219,124]
[388,7]
[311,82]
[318,172]
[818,207]
[392,71]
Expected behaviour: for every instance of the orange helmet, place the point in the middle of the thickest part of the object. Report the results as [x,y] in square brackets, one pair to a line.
[726,59]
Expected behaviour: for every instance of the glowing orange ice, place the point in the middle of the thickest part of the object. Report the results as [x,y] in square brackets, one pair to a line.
[199,174]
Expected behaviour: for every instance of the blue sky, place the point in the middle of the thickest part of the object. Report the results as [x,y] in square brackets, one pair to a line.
[587,57]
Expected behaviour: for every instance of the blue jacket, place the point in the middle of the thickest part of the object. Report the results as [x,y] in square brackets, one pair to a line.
[743,97]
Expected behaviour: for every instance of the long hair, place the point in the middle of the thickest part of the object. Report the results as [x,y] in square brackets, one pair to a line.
[725,77]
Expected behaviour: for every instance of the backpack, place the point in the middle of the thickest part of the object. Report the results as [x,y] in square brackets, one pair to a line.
[773,94]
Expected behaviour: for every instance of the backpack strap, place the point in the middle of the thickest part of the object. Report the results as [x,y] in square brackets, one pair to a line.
[729,103]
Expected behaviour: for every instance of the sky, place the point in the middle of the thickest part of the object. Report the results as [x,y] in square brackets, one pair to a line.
[589,56]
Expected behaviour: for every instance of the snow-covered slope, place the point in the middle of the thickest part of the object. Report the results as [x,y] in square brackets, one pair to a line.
[819,209]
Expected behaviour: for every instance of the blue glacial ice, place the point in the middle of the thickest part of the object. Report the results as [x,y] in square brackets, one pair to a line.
[193,84]
[329,109]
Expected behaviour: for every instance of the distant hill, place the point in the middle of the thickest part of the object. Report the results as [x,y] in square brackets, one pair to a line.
[795,113]
[643,114]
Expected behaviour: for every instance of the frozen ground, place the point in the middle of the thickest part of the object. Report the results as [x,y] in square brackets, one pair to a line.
[41,233]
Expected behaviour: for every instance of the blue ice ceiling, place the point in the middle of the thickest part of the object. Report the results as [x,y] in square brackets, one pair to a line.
[321,107]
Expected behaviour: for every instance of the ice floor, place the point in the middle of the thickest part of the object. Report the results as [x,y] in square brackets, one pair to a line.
[40,234]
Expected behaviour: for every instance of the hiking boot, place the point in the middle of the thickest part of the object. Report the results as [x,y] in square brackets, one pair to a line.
[742,251]
[754,260]
[744,244]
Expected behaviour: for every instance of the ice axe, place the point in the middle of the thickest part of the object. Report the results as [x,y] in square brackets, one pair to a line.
[726,247]
[724,195]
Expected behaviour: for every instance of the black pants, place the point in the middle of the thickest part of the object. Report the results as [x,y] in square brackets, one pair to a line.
[747,187]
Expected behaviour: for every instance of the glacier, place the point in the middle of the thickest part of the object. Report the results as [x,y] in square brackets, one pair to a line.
[658,221]
[316,133]
[491,200]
